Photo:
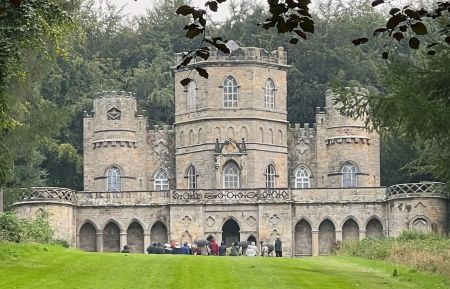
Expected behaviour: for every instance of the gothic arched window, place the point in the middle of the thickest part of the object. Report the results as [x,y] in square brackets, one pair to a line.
[269,94]
[230,92]
[349,177]
[114,180]
[161,180]
[192,178]
[230,176]
[191,95]
[302,178]
[270,176]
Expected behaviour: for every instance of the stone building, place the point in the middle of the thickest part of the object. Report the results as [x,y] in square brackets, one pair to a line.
[232,168]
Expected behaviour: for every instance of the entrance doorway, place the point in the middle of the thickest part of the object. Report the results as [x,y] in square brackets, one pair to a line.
[230,232]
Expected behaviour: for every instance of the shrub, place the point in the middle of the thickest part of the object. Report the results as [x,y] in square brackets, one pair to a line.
[13,229]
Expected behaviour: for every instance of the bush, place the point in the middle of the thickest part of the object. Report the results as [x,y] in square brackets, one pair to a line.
[427,252]
[13,229]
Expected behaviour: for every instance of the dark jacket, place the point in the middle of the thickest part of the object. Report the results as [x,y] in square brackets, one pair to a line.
[277,245]
[222,250]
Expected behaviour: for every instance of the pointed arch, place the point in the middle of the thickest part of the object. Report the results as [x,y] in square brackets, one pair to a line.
[200,136]
[88,236]
[158,233]
[231,175]
[181,138]
[111,237]
[374,228]
[191,137]
[135,237]
[230,132]
[350,230]
[218,134]
[191,175]
[327,237]
[302,177]
[270,136]
[191,95]
[269,94]
[349,172]
[244,133]
[280,137]
[270,175]
[231,231]
[230,92]
[303,238]
[114,179]
[261,134]
[161,180]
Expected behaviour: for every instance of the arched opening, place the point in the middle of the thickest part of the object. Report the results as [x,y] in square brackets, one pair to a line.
[374,229]
[420,225]
[350,230]
[230,232]
[303,239]
[111,238]
[159,233]
[88,238]
[135,238]
[327,237]
[252,239]
[231,176]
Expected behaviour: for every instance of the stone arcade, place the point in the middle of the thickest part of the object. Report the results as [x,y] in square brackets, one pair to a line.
[232,168]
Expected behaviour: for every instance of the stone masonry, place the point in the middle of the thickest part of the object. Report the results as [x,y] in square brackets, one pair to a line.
[232,168]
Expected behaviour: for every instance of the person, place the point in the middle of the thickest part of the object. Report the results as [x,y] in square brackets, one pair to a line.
[252,250]
[126,249]
[185,249]
[278,247]
[234,250]
[214,247]
[159,248]
[222,249]
[176,249]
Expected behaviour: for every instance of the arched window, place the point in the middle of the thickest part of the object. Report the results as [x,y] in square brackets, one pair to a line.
[230,176]
[302,178]
[191,95]
[192,178]
[114,180]
[269,94]
[161,180]
[270,176]
[230,92]
[349,177]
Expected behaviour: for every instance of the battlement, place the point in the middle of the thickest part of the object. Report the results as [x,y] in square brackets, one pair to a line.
[321,110]
[305,130]
[161,128]
[278,56]
[114,94]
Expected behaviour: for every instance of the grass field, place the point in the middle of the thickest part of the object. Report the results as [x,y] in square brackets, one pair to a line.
[41,266]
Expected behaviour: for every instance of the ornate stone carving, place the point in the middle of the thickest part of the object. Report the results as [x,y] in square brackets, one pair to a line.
[302,145]
[210,221]
[186,221]
[251,221]
[160,147]
[113,114]
[274,220]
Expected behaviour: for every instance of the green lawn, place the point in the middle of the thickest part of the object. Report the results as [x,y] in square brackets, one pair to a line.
[40,266]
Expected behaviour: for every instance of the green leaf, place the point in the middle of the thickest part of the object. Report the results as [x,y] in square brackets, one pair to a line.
[185,81]
[385,55]
[307,25]
[185,10]
[212,5]
[359,41]
[300,33]
[293,40]
[412,14]
[394,21]
[202,72]
[414,43]
[398,36]
[394,11]
[419,28]
[191,33]
[377,2]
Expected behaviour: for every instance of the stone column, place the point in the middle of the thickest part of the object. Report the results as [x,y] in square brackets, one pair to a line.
[362,234]
[147,241]
[99,242]
[315,242]
[77,244]
[123,239]
[338,236]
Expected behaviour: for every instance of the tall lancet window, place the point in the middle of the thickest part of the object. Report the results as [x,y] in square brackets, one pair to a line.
[191,95]
[349,175]
[230,92]
[231,176]
[269,94]
[114,180]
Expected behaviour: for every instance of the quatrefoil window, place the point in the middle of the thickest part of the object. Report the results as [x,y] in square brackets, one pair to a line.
[113,114]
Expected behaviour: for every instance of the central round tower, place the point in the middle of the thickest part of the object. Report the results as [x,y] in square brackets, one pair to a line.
[231,127]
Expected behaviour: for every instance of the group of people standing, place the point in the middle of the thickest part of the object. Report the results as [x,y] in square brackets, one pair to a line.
[213,248]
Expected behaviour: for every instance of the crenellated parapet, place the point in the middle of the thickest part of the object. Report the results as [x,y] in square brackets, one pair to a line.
[114,94]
